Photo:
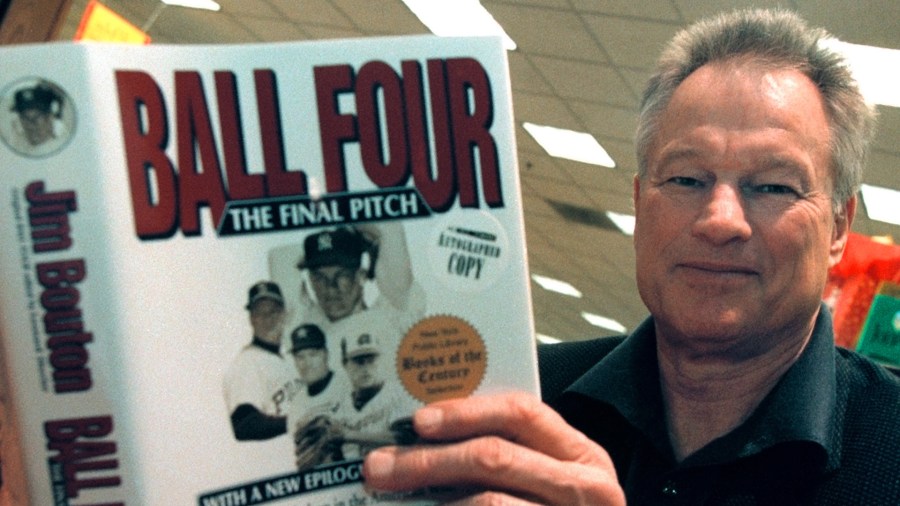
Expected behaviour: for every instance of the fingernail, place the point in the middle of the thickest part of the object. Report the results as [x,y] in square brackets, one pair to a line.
[379,464]
[429,419]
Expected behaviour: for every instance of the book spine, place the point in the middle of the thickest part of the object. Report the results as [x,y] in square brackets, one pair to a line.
[56,301]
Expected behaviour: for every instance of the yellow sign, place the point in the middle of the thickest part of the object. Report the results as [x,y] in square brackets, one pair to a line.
[100,23]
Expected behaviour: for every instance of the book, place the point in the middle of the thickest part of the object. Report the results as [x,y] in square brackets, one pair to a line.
[230,271]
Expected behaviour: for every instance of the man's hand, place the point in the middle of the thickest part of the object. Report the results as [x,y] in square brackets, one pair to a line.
[317,440]
[509,449]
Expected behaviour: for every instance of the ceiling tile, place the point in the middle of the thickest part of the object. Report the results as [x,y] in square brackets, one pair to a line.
[273,30]
[872,22]
[584,80]
[380,17]
[258,8]
[524,77]
[661,10]
[606,120]
[547,32]
[692,10]
[631,43]
[314,12]
[543,109]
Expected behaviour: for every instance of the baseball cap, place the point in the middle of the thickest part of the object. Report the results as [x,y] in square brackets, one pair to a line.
[38,97]
[341,247]
[362,344]
[264,290]
[307,336]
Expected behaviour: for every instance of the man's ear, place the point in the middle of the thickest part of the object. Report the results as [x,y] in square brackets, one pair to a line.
[842,222]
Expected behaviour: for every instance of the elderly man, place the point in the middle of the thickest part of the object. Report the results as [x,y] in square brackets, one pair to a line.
[360,277]
[750,144]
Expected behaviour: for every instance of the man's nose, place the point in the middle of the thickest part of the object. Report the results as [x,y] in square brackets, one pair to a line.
[723,217]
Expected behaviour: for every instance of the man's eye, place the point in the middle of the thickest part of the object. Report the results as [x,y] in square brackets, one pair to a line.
[686,181]
[775,189]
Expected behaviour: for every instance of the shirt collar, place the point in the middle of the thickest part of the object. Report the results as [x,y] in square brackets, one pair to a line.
[801,407]
[273,348]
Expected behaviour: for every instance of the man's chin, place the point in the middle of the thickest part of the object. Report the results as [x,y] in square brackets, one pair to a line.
[731,338]
[336,311]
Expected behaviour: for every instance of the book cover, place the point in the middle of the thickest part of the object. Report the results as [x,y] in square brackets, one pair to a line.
[230,271]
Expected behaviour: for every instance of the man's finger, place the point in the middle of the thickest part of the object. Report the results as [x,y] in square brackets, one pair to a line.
[518,417]
[492,463]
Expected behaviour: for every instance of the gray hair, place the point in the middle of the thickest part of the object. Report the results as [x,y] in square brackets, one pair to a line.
[775,39]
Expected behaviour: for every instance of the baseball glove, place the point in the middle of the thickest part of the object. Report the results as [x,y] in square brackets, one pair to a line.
[317,442]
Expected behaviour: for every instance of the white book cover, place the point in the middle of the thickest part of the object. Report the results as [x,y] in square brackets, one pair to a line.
[229,271]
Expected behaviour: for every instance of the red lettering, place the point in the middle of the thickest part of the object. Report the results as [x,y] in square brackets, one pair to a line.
[438,190]
[69,451]
[241,184]
[68,272]
[77,456]
[48,203]
[150,172]
[279,181]
[60,298]
[471,122]
[48,217]
[389,169]
[71,428]
[335,129]
[72,380]
[198,187]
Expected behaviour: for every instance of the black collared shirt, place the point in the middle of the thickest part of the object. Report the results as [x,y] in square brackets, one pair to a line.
[828,433]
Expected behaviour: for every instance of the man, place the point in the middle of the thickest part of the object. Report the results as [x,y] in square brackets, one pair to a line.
[359,356]
[260,382]
[333,261]
[41,120]
[38,107]
[750,145]
[375,404]
[322,396]
[311,360]
[357,418]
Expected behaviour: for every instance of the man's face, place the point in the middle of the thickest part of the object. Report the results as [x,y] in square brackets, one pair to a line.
[338,289]
[37,124]
[267,320]
[312,364]
[735,230]
[363,371]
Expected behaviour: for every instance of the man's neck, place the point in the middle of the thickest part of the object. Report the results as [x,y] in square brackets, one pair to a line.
[705,399]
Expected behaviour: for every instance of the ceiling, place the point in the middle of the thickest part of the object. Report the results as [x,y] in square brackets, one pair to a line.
[581,65]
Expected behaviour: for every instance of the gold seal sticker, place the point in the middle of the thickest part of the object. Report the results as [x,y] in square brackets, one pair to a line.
[441,357]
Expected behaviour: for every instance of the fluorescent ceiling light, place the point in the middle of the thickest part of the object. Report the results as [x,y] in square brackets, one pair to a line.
[877,70]
[604,322]
[881,203]
[555,285]
[625,222]
[547,339]
[569,144]
[458,18]
[208,5]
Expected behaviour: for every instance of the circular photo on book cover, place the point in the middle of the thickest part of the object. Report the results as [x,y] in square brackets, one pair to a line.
[37,117]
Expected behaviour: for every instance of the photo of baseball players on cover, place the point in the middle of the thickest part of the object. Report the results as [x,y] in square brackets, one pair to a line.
[326,327]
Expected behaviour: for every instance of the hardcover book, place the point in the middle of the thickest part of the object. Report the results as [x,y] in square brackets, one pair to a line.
[231,271]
